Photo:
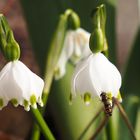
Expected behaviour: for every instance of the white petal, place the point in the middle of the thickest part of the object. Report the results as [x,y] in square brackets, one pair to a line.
[76,47]
[61,66]
[105,76]
[64,56]
[81,79]
[81,45]
[96,74]
[18,82]
[69,44]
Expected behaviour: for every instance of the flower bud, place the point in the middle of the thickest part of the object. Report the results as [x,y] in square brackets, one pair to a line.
[12,51]
[96,42]
[8,45]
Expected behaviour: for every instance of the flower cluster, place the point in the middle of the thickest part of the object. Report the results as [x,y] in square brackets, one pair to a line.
[20,85]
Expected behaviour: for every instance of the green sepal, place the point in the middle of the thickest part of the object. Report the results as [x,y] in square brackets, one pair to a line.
[98,16]
[96,42]
[8,45]
[102,17]
[95,15]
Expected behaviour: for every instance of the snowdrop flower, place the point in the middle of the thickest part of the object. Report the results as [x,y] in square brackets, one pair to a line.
[95,75]
[76,47]
[20,86]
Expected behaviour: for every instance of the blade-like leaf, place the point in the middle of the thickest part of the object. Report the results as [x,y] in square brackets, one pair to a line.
[131,79]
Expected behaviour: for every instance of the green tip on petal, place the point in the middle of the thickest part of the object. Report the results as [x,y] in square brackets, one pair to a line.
[1,102]
[119,97]
[33,100]
[14,102]
[26,105]
[87,98]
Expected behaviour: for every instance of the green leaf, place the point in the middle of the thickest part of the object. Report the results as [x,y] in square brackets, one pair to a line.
[131,78]
[113,125]
[42,20]
[137,127]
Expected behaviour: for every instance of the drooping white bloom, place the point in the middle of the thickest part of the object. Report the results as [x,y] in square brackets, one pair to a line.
[76,47]
[94,75]
[20,85]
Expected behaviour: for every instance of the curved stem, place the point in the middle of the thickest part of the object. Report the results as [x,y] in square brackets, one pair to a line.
[124,116]
[36,132]
[102,124]
[90,123]
[42,124]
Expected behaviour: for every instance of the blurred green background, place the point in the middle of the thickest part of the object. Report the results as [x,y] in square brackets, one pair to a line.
[34,23]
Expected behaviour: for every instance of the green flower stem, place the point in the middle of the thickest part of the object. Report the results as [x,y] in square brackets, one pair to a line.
[53,56]
[42,124]
[98,130]
[35,132]
[90,123]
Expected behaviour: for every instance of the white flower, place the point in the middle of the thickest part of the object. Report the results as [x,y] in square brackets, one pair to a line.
[94,75]
[76,47]
[20,85]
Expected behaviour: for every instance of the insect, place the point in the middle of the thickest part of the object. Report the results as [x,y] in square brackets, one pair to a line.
[107,104]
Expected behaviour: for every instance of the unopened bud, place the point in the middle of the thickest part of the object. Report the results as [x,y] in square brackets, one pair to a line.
[12,51]
[96,42]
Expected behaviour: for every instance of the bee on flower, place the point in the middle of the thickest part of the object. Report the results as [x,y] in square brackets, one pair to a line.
[94,76]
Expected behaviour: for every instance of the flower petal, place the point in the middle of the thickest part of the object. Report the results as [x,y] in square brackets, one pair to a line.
[94,75]
[81,79]
[18,83]
[105,76]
